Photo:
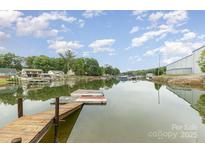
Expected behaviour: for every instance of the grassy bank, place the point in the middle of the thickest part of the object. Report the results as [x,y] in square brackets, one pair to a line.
[182,80]
[3,81]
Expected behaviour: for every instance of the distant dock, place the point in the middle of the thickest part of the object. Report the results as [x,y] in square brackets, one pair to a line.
[31,128]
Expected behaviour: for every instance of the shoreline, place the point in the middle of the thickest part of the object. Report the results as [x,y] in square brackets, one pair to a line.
[192,81]
[4,81]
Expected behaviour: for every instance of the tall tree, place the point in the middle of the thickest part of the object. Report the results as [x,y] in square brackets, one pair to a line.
[79,66]
[92,67]
[68,58]
[29,61]
[42,62]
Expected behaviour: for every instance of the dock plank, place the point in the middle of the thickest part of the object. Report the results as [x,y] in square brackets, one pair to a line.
[32,128]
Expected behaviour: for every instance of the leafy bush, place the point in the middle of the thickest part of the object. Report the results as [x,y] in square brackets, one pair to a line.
[202,61]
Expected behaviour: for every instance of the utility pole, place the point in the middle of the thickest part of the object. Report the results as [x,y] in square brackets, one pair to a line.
[159,64]
[158,75]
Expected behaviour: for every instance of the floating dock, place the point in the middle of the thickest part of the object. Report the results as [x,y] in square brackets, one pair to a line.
[92,99]
[85,92]
[31,128]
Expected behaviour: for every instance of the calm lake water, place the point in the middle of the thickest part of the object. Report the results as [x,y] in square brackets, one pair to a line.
[136,111]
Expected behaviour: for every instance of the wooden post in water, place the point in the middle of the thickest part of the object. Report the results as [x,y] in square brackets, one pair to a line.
[20,107]
[56,120]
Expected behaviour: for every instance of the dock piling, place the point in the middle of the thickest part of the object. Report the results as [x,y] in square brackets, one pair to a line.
[56,120]
[20,107]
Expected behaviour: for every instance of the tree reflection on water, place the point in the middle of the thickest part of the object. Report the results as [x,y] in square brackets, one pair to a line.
[200,107]
[10,94]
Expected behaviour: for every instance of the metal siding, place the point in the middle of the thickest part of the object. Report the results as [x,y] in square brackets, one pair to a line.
[186,65]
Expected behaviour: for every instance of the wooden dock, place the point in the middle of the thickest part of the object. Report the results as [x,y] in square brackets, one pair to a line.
[32,128]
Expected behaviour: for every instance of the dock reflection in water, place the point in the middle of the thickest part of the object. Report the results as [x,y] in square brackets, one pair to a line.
[64,129]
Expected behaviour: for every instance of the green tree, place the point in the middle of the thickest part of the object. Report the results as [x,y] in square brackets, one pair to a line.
[10,60]
[108,69]
[92,67]
[68,58]
[57,64]
[202,61]
[29,61]
[79,66]
[41,62]
[111,71]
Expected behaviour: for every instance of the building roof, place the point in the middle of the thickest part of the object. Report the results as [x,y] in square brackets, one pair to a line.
[187,55]
[29,69]
[56,71]
[8,70]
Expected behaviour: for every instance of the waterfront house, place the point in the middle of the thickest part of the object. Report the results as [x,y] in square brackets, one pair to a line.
[31,72]
[123,78]
[149,76]
[45,76]
[56,73]
[187,65]
[8,72]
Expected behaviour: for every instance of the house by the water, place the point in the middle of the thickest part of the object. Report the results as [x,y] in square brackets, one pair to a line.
[7,72]
[31,72]
[187,65]
[56,74]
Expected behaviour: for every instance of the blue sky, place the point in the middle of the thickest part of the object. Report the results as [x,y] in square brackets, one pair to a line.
[128,40]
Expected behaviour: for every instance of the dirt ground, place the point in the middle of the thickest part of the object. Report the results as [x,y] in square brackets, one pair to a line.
[182,80]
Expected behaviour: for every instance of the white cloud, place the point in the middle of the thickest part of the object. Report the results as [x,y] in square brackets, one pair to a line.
[138,41]
[154,17]
[140,14]
[39,26]
[60,46]
[85,54]
[134,29]
[185,30]
[176,48]
[135,58]
[9,17]
[188,36]
[81,23]
[3,50]
[3,36]
[202,37]
[91,14]
[170,60]
[151,52]
[171,51]
[103,45]
[174,17]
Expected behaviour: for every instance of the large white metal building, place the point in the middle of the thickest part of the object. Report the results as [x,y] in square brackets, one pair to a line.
[186,65]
